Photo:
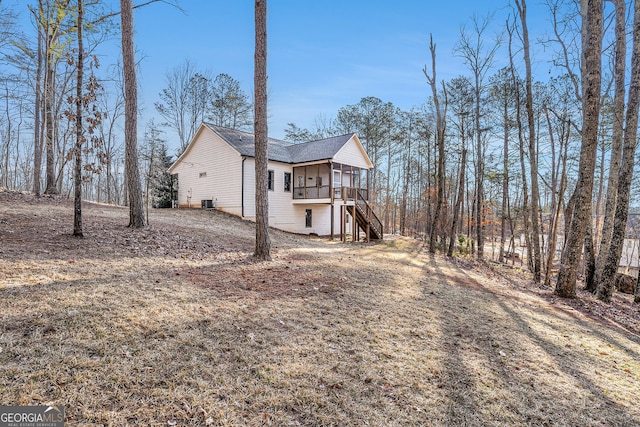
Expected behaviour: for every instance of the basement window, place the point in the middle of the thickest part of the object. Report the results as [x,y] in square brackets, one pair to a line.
[307,218]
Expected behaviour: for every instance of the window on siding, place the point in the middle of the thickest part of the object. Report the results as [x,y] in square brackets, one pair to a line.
[271,179]
[307,218]
[203,174]
[287,182]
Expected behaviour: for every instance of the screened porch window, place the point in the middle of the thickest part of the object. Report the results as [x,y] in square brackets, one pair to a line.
[326,180]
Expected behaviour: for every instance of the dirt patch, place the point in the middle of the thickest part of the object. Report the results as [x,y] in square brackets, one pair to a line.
[175,324]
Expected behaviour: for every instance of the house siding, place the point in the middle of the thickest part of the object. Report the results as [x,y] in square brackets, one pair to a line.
[221,163]
[283,214]
[351,154]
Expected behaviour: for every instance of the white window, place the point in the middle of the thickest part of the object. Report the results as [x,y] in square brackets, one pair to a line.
[271,179]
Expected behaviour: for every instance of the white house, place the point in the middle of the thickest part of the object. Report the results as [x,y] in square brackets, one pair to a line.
[317,187]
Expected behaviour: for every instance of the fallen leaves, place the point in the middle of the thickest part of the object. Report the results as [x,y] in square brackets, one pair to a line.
[119,324]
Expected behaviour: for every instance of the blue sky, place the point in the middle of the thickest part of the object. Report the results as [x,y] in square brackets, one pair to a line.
[322,55]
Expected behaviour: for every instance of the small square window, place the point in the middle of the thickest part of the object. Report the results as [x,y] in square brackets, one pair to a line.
[287,182]
[271,179]
[203,174]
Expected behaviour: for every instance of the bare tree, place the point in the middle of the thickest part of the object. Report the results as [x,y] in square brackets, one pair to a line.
[263,243]
[407,125]
[479,57]
[53,23]
[503,97]
[605,286]
[441,125]
[533,155]
[556,202]
[37,136]
[460,100]
[616,137]
[185,100]
[77,172]
[591,81]
[134,189]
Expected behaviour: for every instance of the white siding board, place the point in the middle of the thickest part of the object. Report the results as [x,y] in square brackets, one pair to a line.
[250,189]
[221,163]
[320,216]
[281,210]
[351,154]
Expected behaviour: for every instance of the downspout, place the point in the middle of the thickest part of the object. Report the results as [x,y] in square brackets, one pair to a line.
[242,188]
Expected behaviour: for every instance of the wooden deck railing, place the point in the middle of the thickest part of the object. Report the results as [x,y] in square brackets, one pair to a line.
[351,193]
[325,192]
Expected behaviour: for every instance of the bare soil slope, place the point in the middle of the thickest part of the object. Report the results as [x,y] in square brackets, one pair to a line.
[174,325]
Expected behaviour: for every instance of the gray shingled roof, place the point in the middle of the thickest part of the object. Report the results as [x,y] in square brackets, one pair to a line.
[283,151]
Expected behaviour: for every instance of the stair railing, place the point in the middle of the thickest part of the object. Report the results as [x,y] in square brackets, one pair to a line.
[368,213]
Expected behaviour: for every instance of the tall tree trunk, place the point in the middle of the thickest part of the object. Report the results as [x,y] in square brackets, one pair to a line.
[591,82]
[405,184]
[49,82]
[37,146]
[263,243]
[616,139]
[554,187]
[553,233]
[480,177]
[605,286]
[132,169]
[599,210]
[440,135]
[387,203]
[457,208]
[589,260]
[77,173]
[505,177]
[525,191]
[533,163]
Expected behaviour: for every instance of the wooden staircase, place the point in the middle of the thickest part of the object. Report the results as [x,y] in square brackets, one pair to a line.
[365,217]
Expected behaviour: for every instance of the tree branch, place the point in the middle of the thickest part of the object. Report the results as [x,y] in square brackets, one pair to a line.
[148,2]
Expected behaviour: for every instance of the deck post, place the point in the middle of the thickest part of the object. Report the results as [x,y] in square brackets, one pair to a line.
[332,193]
[332,220]
[343,234]
[355,230]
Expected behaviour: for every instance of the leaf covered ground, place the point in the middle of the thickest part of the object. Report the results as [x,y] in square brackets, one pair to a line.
[175,325]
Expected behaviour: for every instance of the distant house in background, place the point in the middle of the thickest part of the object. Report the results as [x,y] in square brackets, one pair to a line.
[631,247]
[318,187]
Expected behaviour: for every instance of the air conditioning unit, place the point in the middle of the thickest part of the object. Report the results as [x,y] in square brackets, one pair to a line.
[208,204]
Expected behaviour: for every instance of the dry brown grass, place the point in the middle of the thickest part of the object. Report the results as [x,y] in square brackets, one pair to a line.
[175,325]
